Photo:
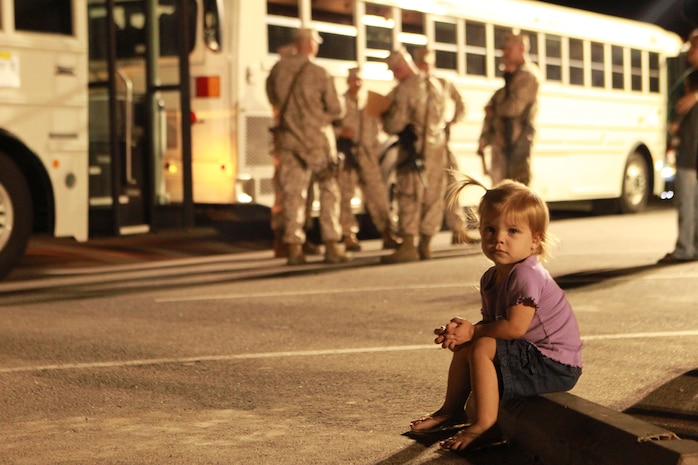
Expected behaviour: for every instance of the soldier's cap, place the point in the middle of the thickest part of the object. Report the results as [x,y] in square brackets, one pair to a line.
[396,57]
[307,33]
[354,73]
[423,55]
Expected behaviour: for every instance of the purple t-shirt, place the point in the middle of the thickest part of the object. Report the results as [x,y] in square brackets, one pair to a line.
[553,330]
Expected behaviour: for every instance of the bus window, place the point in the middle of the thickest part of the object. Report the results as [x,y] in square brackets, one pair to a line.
[445,35]
[635,69]
[617,67]
[553,57]
[47,16]
[337,46]
[379,24]
[129,19]
[446,60]
[533,46]
[413,32]
[499,33]
[598,60]
[654,72]
[281,8]
[475,48]
[213,12]
[576,62]
[340,42]
[333,12]
[279,37]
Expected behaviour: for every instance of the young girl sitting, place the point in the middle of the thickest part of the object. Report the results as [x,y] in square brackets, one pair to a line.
[528,341]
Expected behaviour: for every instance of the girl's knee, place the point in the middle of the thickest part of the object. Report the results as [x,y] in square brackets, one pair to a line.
[483,347]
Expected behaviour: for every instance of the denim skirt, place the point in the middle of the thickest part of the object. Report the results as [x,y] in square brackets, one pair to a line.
[524,371]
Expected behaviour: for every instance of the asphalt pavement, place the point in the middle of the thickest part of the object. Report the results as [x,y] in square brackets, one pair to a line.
[551,430]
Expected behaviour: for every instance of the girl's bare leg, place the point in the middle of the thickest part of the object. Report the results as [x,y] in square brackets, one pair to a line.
[485,397]
[457,392]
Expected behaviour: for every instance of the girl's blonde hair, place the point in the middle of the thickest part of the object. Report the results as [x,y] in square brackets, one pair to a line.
[510,199]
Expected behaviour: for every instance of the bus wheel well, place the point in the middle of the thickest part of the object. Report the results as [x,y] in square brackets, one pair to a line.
[638,181]
[36,177]
[647,157]
[637,185]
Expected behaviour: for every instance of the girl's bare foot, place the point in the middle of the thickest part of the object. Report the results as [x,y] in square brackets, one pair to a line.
[462,439]
[434,421]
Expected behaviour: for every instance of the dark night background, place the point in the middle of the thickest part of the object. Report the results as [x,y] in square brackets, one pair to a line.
[672,15]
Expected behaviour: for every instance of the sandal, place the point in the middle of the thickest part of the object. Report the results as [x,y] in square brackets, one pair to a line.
[439,423]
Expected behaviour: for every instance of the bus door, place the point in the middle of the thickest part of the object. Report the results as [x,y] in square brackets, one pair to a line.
[119,168]
[132,178]
[136,128]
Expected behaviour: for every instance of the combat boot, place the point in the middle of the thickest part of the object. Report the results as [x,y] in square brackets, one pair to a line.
[389,241]
[423,248]
[309,248]
[406,252]
[351,243]
[295,254]
[333,254]
[280,249]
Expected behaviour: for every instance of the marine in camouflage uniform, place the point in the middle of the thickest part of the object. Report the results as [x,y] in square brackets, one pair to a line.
[509,116]
[306,100]
[358,137]
[454,214]
[417,111]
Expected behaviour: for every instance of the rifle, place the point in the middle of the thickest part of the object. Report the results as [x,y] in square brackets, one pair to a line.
[407,139]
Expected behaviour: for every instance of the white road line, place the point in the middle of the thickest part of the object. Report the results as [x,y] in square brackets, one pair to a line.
[305,353]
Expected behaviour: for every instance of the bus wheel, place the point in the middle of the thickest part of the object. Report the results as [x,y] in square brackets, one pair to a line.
[16,214]
[636,185]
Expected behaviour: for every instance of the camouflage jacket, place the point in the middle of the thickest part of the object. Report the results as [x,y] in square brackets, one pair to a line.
[306,100]
[419,100]
[514,108]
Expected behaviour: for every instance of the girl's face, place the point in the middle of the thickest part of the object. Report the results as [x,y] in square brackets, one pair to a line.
[507,240]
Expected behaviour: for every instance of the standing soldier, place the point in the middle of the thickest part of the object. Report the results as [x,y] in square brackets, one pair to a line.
[417,116]
[358,140]
[510,114]
[306,101]
[454,214]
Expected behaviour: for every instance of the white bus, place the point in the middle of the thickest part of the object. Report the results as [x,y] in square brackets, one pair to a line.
[602,104]
[121,127]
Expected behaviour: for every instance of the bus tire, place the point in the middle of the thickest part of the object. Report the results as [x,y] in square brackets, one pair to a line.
[16,214]
[636,185]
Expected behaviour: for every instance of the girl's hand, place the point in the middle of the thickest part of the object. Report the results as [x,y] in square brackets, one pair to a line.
[440,335]
[458,332]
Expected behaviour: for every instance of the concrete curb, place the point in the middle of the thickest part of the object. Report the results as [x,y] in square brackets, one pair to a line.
[564,429]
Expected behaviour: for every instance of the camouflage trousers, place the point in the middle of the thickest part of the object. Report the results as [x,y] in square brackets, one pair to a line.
[420,206]
[348,179]
[373,189]
[294,178]
[516,166]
